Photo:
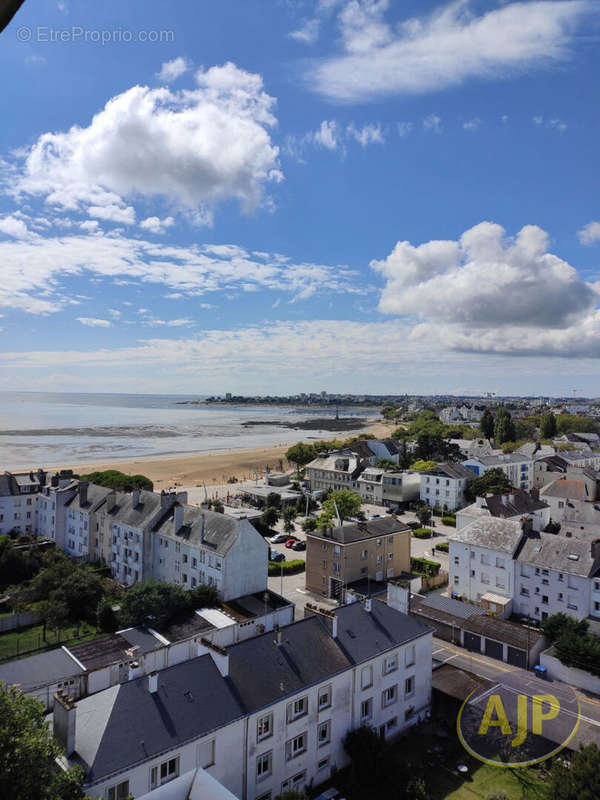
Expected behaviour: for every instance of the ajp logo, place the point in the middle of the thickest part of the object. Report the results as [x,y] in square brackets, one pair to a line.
[512,726]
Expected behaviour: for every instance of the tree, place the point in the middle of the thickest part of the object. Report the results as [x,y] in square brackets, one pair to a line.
[64,581]
[203,596]
[273,500]
[494,481]
[28,753]
[155,603]
[423,466]
[113,479]
[504,428]
[107,619]
[300,454]
[55,615]
[548,425]
[289,515]
[486,424]
[347,503]
[309,524]
[386,463]
[556,625]
[423,514]
[577,780]
[270,517]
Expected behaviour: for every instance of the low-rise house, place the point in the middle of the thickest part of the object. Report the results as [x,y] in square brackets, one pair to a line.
[269,701]
[556,574]
[444,486]
[473,448]
[516,505]
[549,468]
[389,488]
[517,468]
[337,556]
[565,496]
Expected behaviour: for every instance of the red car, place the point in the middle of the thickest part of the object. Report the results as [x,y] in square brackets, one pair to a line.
[291,541]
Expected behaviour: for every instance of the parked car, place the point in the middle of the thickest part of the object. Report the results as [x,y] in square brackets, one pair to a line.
[275,556]
[290,541]
[298,545]
[279,538]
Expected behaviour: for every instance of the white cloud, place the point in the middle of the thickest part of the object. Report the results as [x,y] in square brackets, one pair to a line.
[93,322]
[171,70]
[113,213]
[446,48]
[14,227]
[433,123]
[193,148]
[308,32]
[404,128]
[590,233]
[157,225]
[368,134]
[472,124]
[489,293]
[554,122]
[327,135]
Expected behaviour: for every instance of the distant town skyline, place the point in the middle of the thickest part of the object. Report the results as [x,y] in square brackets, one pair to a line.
[378,198]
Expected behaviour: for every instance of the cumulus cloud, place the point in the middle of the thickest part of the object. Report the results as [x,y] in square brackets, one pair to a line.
[171,70]
[93,322]
[327,135]
[590,233]
[13,227]
[193,148]
[368,134]
[157,225]
[308,32]
[433,123]
[489,292]
[472,124]
[113,213]
[444,49]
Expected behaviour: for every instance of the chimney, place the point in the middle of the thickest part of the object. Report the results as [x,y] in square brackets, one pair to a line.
[178,512]
[135,498]
[278,635]
[398,596]
[83,492]
[153,682]
[63,721]
[54,481]
[334,626]
[111,501]
[167,499]
[596,549]
[368,604]
[41,476]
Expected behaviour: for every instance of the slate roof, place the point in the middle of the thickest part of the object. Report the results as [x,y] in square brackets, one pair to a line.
[548,551]
[359,531]
[449,605]
[8,485]
[503,535]
[331,462]
[203,528]
[513,503]
[125,513]
[126,724]
[455,471]
[568,489]
[96,495]
[43,669]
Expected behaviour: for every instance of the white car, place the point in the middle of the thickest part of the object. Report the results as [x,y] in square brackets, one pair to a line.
[279,538]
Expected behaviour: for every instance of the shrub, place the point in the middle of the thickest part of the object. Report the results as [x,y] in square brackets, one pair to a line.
[422,533]
[443,546]
[422,566]
[449,521]
[289,567]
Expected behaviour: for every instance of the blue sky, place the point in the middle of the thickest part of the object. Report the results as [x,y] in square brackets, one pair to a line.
[296,195]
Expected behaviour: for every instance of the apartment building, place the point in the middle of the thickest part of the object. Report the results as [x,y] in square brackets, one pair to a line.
[18,501]
[334,471]
[260,717]
[516,505]
[549,468]
[444,486]
[481,562]
[556,574]
[82,537]
[518,468]
[52,508]
[389,488]
[337,556]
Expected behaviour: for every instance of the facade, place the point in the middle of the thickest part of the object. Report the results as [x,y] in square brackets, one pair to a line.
[334,471]
[444,486]
[517,468]
[516,505]
[282,712]
[52,509]
[335,557]
[18,501]
[82,522]
[547,469]
[388,488]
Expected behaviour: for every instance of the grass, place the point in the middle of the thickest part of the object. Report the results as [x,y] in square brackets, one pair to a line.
[14,644]
[289,567]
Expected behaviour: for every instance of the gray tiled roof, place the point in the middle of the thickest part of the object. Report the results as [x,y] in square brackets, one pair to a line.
[513,503]
[493,533]
[137,516]
[456,471]
[357,531]
[548,551]
[96,495]
[8,485]
[39,670]
[206,528]
[566,488]
[126,724]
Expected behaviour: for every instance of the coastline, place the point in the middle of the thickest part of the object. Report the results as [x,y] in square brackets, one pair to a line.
[194,469]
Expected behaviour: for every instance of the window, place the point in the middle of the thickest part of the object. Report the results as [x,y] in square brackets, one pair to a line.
[456,580]
[118,792]
[456,560]
[264,727]
[409,686]
[366,677]
[364,554]
[325,698]
[366,709]
[297,709]
[266,796]
[206,754]
[336,567]
[410,656]
[324,733]
[296,746]
[324,762]
[263,765]
[390,663]
[389,696]
[391,724]
[295,784]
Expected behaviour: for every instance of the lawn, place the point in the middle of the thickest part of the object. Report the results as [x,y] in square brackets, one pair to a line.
[14,644]
[486,780]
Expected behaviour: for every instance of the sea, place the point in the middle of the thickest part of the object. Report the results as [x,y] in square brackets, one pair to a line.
[54,429]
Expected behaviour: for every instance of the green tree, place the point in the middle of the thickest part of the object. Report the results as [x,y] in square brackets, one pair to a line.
[107,619]
[577,780]
[423,514]
[556,625]
[504,428]
[55,615]
[423,466]
[273,500]
[289,515]
[64,581]
[270,517]
[347,503]
[203,596]
[548,425]
[300,454]
[494,481]
[154,603]
[486,424]
[28,753]
[309,524]
[113,479]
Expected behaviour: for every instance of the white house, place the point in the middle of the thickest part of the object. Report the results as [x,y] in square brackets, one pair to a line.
[444,486]
[18,501]
[52,509]
[515,505]
[262,716]
[82,535]
[518,468]
[389,488]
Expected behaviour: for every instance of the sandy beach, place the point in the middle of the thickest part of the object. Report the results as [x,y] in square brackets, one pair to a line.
[210,468]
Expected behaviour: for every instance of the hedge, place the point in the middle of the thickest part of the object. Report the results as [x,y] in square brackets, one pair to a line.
[422,533]
[443,546]
[422,566]
[289,567]
[449,521]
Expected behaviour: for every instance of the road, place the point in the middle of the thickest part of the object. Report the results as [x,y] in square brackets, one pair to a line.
[505,677]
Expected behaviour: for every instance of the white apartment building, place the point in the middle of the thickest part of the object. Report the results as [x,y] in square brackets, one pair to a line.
[262,716]
[518,468]
[18,501]
[52,509]
[388,488]
[555,574]
[516,505]
[82,536]
[481,562]
[334,471]
[444,486]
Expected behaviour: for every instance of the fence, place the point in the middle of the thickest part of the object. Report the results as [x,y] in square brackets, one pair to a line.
[12,621]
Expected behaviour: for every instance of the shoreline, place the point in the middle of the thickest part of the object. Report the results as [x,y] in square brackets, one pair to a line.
[213,468]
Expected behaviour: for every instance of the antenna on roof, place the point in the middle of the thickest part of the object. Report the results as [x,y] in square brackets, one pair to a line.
[337,513]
